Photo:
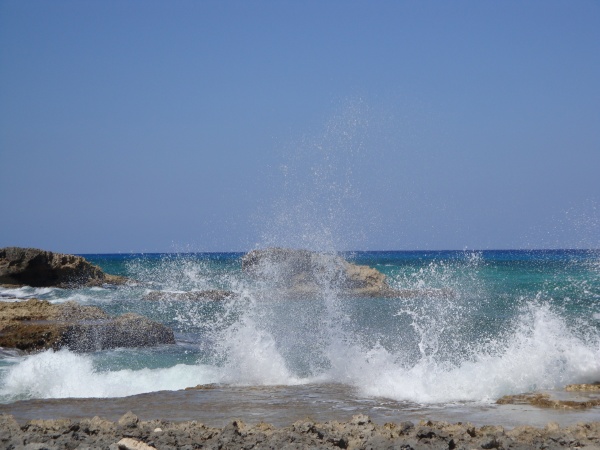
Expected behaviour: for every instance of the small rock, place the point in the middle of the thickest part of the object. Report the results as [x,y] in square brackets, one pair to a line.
[360,419]
[133,444]
[490,443]
[128,420]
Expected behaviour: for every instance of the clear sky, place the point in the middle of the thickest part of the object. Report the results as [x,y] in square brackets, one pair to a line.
[225,125]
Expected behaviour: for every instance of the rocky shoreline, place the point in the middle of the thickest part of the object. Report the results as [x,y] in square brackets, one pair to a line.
[35,325]
[358,433]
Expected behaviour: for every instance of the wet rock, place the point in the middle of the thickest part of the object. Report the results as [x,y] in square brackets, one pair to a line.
[307,272]
[543,400]
[592,387]
[207,295]
[35,325]
[202,387]
[128,330]
[40,268]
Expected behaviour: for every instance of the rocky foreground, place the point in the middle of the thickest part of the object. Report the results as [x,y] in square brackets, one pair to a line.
[358,433]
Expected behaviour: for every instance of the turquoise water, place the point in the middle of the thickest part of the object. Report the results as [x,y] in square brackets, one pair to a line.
[479,325]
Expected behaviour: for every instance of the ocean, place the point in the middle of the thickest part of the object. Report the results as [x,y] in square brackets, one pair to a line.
[477,325]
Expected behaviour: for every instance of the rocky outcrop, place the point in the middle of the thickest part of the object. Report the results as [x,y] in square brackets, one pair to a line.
[35,325]
[307,272]
[40,268]
[592,387]
[216,295]
[357,433]
[545,400]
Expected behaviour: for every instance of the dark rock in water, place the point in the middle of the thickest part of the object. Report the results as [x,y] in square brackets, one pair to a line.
[40,268]
[37,325]
[127,330]
[307,272]
[208,295]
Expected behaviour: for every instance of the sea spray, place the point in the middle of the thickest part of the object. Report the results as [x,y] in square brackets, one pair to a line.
[284,338]
[65,374]
[473,330]
[540,353]
[472,326]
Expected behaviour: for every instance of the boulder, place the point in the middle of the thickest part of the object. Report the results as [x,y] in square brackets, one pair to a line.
[34,325]
[40,268]
[306,272]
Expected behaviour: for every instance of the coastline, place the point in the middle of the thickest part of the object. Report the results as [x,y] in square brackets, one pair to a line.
[128,432]
[70,399]
[217,405]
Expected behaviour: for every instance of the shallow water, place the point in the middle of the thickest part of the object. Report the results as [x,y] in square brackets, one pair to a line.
[283,405]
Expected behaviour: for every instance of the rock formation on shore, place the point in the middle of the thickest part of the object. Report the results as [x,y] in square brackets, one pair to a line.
[547,400]
[358,433]
[34,325]
[306,272]
[40,268]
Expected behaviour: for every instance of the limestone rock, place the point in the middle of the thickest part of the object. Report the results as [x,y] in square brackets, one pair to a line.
[306,272]
[543,400]
[40,268]
[593,387]
[37,325]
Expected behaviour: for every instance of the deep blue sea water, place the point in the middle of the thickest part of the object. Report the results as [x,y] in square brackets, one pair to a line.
[479,325]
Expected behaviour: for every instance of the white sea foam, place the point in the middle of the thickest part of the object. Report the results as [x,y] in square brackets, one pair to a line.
[539,351]
[26,292]
[253,357]
[541,354]
[65,374]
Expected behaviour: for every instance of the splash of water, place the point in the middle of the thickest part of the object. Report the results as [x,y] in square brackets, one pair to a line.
[468,344]
[65,374]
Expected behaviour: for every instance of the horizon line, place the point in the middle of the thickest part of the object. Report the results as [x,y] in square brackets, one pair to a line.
[574,249]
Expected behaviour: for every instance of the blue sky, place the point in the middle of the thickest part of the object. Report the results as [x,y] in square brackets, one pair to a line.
[219,126]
